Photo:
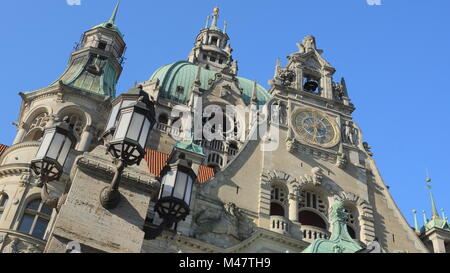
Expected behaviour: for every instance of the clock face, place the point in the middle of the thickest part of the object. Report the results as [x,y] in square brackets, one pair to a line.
[314,127]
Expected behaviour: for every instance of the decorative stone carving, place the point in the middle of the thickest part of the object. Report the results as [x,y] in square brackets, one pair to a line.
[287,77]
[317,175]
[367,148]
[341,161]
[12,247]
[225,227]
[291,145]
[338,91]
[350,133]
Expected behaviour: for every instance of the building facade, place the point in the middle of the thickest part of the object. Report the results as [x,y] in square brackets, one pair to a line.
[270,164]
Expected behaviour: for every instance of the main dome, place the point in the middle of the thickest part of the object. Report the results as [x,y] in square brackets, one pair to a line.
[183,74]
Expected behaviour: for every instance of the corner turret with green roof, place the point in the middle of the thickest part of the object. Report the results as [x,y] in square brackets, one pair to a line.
[96,64]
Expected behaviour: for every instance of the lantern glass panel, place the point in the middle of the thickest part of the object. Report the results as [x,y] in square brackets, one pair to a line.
[55,146]
[113,117]
[45,144]
[144,133]
[180,186]
[123,125]
[187,197]
[64,151]
[168,184]
[135,126]
[128,102]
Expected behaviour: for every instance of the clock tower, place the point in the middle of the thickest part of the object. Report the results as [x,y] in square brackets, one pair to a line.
[321,159]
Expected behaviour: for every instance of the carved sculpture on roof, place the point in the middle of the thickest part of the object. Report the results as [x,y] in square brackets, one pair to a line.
[367,148]
[287,77]
[350,134]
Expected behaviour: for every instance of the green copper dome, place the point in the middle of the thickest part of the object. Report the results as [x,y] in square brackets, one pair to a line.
[177,80]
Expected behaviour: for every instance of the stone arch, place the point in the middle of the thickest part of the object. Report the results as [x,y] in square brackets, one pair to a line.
[36,122]
[78,119]
[33,113]
[362,205]
[281,177]
[365,214]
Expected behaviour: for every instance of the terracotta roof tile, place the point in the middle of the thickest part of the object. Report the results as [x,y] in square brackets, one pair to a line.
[157,160]
[3,148]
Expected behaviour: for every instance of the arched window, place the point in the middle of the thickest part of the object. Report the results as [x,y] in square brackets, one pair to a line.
[278,200]
[163,118]
[35,219]
[310,218]
[3,203]
[76,122]
[37,126]
[276,209]
[311,199]
[352,222]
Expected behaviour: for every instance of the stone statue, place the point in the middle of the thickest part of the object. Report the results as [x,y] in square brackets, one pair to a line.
[283,113]
[367,148]
[276,113]
[287,77]
[309,43]
[350,133]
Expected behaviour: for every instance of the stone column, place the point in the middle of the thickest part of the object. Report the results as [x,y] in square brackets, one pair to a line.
[293,207]
[20,134]
[438,243]
[86,138]
[299,78]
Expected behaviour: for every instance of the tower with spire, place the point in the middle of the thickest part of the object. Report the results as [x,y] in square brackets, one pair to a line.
[435,231]
[81,96]
[307,182]
[212,49]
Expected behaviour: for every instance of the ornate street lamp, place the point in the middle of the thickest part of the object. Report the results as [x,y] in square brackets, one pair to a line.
[124,100]
[51,156]
[132,124]
[177,180]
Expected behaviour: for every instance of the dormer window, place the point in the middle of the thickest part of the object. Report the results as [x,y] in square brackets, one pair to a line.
[220,61]
[214,40]
[102,45]
[212,59]
[180,89]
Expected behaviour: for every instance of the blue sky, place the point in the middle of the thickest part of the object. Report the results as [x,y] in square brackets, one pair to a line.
[395,58]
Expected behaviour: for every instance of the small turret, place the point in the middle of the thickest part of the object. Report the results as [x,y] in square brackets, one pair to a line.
[96,64]
[212,50]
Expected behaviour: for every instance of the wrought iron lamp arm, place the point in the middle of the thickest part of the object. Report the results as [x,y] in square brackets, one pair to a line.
[110,196]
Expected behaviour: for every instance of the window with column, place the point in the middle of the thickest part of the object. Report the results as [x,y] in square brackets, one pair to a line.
[312,209]
[3,203]
[35,219]
[36,128]
[352,221]
[278,200]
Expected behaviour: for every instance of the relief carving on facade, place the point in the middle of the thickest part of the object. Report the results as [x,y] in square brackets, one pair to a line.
[287,77]
[224,227]
[15,245]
